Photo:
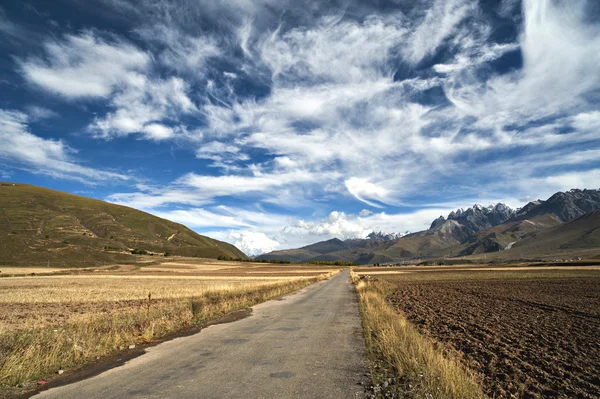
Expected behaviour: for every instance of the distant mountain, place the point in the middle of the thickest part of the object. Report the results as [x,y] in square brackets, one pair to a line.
[464,232]
[380,235]
[475,218]
[323,247]
[39,226]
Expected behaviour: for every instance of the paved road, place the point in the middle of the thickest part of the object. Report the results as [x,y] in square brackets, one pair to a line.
[308,345]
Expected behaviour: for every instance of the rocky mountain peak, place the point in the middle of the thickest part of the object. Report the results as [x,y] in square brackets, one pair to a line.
[566,205]
[437,223]
[479,217]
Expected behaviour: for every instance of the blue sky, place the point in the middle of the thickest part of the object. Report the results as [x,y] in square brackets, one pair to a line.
[273,124]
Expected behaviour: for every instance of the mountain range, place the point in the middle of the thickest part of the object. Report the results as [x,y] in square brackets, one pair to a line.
[39,226]
[541,229]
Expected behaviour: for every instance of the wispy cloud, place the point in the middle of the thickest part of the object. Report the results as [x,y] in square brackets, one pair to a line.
[38,113]
[439,23]
[89,66]
[85,66]
[44,156]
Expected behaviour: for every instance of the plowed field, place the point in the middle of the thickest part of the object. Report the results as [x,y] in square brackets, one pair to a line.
[529,334]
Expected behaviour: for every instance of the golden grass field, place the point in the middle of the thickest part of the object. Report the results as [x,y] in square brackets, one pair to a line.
[64,318]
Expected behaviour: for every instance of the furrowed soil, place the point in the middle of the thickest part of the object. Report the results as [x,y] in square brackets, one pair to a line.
[529,334]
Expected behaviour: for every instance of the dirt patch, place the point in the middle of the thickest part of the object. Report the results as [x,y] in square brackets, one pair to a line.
[527,337]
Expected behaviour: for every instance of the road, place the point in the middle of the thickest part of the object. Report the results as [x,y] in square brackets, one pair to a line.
[306,345]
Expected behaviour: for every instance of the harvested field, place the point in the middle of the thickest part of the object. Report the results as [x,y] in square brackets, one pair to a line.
[61,321]
[6,271]
[34,302]
[527,333]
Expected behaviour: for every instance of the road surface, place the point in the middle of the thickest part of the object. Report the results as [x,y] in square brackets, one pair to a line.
[306,345]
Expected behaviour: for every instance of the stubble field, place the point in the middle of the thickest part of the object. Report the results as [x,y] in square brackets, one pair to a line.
[524,333]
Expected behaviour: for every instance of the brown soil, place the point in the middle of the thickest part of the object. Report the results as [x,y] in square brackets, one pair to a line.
[527,337]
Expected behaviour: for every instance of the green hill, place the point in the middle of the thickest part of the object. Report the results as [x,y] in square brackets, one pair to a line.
[40,226]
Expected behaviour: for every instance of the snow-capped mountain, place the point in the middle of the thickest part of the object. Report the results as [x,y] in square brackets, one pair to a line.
[381,235]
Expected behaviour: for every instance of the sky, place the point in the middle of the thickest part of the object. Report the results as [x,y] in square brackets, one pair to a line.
[273,124]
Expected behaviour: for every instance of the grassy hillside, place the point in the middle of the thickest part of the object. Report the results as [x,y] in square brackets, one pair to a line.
[581,233]
[505,235]
[577,238]
[40,226]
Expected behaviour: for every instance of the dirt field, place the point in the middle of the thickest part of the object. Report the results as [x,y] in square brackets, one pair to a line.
[528,333]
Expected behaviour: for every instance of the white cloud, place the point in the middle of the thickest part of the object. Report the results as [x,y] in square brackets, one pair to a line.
[144,106]
[366,191]
[37,113]
[543,187]
[147,200]
[342,52]
[234,185]
[327,129]
[223,216]
[156,131]
[43,156]
[337,224]
[193,189]
[365,212]
[253,243]
[223,153]
[217,147]
[179,51]
[439,23]
[85,66]
[560,51]
[587,121]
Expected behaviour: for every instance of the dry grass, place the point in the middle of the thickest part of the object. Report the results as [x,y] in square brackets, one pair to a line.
[416,368]
[60,322]
[7,271]
[107,288]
